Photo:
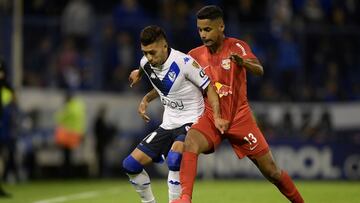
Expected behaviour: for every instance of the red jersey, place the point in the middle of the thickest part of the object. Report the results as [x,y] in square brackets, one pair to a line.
[228,78]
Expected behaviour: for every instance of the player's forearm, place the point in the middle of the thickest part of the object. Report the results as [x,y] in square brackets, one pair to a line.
[150,96]
[213,99]
[254,67]
[141,72]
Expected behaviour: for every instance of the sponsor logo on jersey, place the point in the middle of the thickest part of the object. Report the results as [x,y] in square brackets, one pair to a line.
[225,64]
[172,104]
[222,90]
[242,48]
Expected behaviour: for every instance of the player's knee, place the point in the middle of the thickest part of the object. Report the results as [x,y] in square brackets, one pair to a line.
[131,165]
[193,143]
[173,160]
[273,173]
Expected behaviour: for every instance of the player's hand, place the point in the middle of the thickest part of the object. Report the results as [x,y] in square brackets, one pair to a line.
[222,125]
[142,111]
[236,59]
[134,77]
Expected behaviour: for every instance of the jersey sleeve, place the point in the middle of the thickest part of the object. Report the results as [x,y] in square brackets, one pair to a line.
[243,49]
[195,73]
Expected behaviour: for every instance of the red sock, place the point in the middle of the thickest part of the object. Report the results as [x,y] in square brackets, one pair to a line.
[188,171]
[287,187]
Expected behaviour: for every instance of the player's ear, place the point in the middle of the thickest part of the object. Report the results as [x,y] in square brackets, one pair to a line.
[222,27]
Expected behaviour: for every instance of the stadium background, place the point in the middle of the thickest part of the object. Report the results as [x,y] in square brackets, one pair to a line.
[307,103]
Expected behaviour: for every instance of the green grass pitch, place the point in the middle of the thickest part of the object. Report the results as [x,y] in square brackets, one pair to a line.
[217,191]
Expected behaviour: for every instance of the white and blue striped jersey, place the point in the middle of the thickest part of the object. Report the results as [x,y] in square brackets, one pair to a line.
[179,82]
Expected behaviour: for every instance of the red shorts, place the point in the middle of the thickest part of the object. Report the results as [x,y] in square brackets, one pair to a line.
[243,134]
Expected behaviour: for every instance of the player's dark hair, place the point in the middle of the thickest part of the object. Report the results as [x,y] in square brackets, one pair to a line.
[210,12]
[151,34]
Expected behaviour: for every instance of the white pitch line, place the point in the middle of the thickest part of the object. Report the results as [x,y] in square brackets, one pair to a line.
[84,195]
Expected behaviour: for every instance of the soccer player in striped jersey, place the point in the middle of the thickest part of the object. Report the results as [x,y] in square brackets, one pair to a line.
[180,83]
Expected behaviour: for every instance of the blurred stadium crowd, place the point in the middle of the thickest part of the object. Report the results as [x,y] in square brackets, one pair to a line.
[309,48]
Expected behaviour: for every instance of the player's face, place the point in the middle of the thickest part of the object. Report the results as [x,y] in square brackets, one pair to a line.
[156,53]
[210,31]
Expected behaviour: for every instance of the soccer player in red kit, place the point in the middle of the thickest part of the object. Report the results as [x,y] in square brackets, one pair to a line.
[226,61]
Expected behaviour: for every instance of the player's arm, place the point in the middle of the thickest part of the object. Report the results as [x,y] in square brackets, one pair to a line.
[135,76]
[221,124]
[197,75]
[252,65]
[153,94]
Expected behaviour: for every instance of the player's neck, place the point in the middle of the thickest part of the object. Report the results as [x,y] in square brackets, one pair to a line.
[217,47]
[165,59]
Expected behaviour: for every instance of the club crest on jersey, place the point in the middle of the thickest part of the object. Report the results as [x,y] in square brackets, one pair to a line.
[225,64]
[172,76]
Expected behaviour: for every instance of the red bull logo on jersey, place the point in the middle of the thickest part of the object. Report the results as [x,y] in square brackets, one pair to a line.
[225,64]
[222,90]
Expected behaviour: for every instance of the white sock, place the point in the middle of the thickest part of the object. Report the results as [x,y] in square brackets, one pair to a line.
[174,185]
[141,183]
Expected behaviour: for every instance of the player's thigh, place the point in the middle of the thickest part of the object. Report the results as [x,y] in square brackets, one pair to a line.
[178,135]
[203,137]
[156,144]
[141,157]
[196,142]
[267,166]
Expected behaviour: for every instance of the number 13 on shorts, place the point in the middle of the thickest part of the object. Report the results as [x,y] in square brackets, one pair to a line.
[250,138]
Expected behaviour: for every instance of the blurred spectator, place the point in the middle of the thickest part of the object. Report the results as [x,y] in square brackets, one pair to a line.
[67,67]
[129,15]
[8,136]
[86,70]
[5,6]
[70,128]
[288,65]
[313,12]
[36,71]
[77,21]
[280,15]
[5,100]
[330,88]
[104,133]
[120,60]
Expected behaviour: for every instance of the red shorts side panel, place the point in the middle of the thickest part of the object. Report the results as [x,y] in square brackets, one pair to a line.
[246,138]
[206,126]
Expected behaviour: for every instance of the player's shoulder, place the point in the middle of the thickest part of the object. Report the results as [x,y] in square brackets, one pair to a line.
[176,54]
[143,61]
[195,52]
[181,58]
[234,42]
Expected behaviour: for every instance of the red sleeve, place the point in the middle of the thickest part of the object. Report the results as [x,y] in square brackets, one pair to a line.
[243,49]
